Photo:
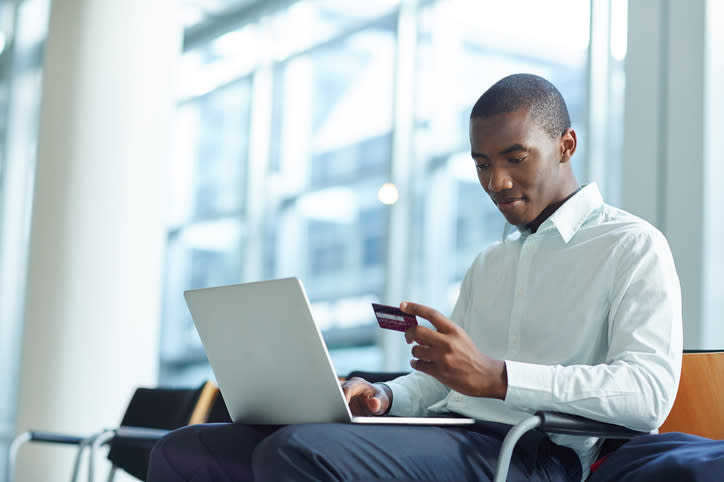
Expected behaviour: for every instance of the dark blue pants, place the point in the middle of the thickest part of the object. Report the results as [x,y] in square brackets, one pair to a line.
[235,452]
[667,457]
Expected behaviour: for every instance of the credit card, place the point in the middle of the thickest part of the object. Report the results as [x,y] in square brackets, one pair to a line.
[393,318]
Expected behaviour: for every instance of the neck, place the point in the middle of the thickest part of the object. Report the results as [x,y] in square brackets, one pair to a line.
[553,207]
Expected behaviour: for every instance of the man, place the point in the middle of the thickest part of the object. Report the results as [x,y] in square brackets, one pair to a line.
[579,311]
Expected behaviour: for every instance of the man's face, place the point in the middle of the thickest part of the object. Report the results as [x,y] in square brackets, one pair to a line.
[520,166]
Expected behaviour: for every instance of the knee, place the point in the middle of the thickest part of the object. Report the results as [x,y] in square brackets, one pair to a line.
[175,442]
[170,454]
[292,453]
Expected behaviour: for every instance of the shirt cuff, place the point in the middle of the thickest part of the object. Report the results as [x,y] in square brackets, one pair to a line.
[529,385]
[391,394]
[401,400]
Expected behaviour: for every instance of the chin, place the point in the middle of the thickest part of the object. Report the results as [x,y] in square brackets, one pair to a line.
[515,221]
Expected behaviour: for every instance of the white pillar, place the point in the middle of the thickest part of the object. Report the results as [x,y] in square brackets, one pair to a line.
[713,291]
[93,290]
[673,76]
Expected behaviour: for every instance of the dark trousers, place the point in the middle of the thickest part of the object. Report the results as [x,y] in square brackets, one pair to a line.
[667,457]
[236,452]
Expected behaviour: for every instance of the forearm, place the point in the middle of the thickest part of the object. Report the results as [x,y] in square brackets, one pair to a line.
[414,393]
[625,393]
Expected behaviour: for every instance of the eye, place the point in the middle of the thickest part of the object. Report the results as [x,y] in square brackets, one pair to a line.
[516,160]
[481,166]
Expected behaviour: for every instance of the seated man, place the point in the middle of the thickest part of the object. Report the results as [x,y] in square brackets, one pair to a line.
[577,311]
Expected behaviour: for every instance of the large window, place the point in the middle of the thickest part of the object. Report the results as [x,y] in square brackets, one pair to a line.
[291,120]
[23,28]
[463,47]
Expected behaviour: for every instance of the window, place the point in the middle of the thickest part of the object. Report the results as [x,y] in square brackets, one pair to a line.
[289,125]
[459,55]
[23,29]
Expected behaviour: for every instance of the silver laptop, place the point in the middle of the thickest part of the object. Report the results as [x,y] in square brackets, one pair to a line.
[269,358]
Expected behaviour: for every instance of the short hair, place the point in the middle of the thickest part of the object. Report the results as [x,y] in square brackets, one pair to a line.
[526,91]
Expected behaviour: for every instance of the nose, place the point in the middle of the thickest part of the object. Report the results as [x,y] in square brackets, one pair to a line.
[499,180]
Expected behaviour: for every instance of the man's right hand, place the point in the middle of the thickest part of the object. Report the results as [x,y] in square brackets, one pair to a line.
[365,398]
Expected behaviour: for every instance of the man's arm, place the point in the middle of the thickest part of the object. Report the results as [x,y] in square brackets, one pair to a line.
[636,385]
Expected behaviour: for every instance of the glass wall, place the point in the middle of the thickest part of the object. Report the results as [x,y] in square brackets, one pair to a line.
[291,121]
[463,47]
[23,28]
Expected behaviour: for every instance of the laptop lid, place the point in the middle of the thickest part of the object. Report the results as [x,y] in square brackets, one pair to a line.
[269,357]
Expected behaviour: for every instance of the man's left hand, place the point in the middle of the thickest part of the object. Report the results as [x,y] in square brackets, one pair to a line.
[452,357]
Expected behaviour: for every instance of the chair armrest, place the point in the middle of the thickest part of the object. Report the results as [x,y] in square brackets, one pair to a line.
[45,437]
[566,423]
[556,422]
[133,434]
[54,437]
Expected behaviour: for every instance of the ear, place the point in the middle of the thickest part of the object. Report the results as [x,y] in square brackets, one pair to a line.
[568,144]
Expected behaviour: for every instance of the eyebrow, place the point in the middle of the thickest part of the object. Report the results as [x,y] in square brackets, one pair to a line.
[507,150]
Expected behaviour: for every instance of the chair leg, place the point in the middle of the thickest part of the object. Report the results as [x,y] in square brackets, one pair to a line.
[95,444]
[112,473]
[506,450]
[79,455]
[13,453]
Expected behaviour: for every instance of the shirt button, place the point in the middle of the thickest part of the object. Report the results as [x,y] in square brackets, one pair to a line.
[520,292]
[514,339]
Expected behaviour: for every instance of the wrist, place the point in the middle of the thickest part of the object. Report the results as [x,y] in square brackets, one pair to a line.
[502,381]
[388,394]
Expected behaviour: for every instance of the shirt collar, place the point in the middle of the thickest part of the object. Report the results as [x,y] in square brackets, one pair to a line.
[569,217]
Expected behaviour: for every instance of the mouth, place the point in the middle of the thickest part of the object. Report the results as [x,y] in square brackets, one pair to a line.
[507,201]
[508,204]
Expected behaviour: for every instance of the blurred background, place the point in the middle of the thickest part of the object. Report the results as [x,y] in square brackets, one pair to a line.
[151,147]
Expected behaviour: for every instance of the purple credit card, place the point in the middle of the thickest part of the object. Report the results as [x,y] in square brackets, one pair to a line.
[393,318]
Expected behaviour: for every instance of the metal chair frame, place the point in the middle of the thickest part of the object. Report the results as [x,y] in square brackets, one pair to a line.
[206,398]
[702,382]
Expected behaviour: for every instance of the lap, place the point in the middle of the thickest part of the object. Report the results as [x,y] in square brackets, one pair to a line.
[382,452]
[359,452]
[219,452]
[664,457]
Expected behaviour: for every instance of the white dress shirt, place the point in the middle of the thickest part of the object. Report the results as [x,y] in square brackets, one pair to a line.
[586,313]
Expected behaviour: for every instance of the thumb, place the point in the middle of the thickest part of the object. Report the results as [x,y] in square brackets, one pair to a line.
[374,404]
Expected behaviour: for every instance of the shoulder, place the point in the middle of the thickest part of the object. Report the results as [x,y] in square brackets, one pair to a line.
[626,229]
[634,244]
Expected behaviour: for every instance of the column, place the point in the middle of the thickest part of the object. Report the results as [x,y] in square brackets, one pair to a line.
[670,170]
[97,235]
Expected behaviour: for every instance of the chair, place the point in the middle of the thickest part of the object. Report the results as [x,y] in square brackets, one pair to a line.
[698,410]
[699,405]
[150,414]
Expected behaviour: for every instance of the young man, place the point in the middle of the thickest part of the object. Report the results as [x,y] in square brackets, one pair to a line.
[578,311]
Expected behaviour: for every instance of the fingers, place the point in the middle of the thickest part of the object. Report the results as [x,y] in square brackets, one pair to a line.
[365,398]
[354,387]
[423,335]
[423,366]
[438,320]
[374,405]
[424,352]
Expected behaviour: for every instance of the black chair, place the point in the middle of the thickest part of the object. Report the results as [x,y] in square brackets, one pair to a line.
[150,414]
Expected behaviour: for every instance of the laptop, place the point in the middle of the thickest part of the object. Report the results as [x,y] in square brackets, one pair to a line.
[269,358]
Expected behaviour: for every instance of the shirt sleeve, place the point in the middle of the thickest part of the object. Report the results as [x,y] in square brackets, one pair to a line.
[637,384]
